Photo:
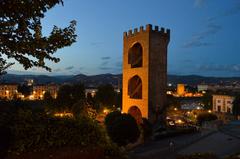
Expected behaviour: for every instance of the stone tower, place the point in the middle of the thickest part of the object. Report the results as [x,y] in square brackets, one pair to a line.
[145,71]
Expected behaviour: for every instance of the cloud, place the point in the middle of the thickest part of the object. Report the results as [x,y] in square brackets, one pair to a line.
[57,70]
[105,68]
[198,40]
[106,58]
[119,64]
[104,63]
[69,68]
[232,11]
[199,3]
[96,44]
[220,68]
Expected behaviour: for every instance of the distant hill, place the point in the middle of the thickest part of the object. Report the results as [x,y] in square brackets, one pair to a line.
[96,80]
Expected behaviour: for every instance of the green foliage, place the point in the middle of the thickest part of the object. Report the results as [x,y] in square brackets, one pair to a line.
[122,128]
[205,117]
[21,33]
[236,105]
[31,131]
[198,156]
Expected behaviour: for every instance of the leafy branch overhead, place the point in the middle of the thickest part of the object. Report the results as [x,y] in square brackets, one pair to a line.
[21,33]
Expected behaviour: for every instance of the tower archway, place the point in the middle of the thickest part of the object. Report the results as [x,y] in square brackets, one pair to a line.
[136,113]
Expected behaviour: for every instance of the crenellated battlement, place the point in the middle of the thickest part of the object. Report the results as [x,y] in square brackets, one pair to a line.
[147,28]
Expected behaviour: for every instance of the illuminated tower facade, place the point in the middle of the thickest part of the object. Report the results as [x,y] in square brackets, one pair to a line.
[145,71]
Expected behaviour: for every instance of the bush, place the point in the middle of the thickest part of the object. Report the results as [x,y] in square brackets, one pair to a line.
[147,128]
[122,128]
[205,117]
[110,118]
[30,132]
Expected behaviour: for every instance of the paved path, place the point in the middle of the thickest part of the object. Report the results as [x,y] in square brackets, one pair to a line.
[218,143]
[161,149]
[222,143]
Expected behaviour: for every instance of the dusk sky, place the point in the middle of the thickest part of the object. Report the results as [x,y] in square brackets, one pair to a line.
[205,35]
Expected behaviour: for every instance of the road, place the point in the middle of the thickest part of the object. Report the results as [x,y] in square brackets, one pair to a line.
[224,142]
[161,148]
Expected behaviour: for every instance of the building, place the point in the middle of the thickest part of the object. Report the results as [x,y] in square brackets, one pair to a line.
[91,91]
[180,89]
[145,71]
[8,91]
[202,87]
[222,103]
[40,90]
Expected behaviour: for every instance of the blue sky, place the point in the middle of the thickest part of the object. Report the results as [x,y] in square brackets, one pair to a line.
[205,35]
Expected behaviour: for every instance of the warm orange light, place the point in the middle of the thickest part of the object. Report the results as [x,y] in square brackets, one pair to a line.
[63,114]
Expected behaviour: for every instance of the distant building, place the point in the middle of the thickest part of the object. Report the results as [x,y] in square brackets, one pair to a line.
[8,91]
[223,103]
[92,91]
[202,87]
[29,82]
[40,90]
[180,89]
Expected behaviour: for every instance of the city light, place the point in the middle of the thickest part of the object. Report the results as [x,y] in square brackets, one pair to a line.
[64,114]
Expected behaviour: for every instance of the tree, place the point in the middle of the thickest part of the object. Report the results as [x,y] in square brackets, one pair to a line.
[207,100]
[203,117]
[48,101]
[21,34]
[68,95]
[236,106]
[122,128]
[24,89]
[106,95]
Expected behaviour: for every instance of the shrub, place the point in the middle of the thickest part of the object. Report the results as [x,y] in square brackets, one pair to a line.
[109,119]
[147,128]
[122,128]
[30,131]
[205,117]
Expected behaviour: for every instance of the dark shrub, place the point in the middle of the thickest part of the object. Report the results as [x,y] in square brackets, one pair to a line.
[147,128]
[205,117]
[122,128]
[30,131]
[110,118]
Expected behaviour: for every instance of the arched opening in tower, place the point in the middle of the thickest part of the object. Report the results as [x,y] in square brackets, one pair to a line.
[135,56]
[136,113]
[135,87]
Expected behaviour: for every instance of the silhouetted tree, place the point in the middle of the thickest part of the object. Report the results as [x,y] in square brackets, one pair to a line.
[106,95]
[205,117]
[207,100]
[69,95]
[236,105]
[24,89]
[21,33]
[122,128]
[49,102]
